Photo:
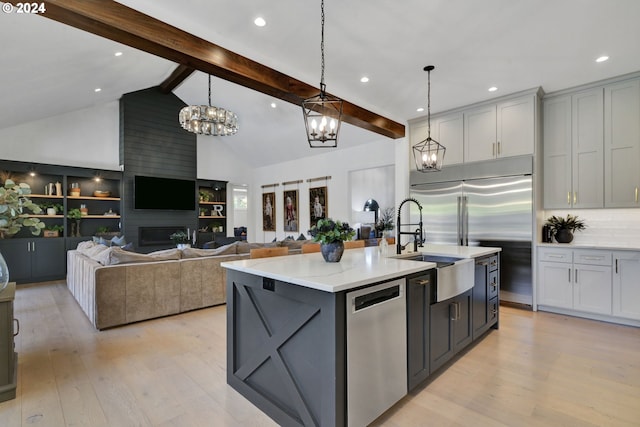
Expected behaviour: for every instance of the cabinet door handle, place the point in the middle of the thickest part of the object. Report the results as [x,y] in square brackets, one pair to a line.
[482,263]
[569,270]
[568,197]
[592,258]
[636,194]
[499,148]
[423,282]
[576,278]
[17,328]
[452,311]
[616,265]
[555,256]
[33,246]
[575,197]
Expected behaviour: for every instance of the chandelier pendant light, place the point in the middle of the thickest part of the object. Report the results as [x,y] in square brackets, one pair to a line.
[208,120]
[428,153]
[323,112]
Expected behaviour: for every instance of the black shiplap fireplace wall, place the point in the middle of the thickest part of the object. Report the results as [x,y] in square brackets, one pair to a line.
[152,143]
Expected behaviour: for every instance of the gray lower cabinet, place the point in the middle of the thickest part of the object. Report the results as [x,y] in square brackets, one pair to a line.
[485,295]
[8,357]
[418,300]
[450,328]
[33,260]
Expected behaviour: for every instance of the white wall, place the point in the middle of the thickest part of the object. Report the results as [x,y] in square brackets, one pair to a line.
[85,138]
[337,164]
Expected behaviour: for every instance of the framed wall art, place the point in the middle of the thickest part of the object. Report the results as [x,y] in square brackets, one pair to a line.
[268,212]
[318,203]
[290,210]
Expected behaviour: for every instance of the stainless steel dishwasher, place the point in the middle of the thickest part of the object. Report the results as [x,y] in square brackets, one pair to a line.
[376,350]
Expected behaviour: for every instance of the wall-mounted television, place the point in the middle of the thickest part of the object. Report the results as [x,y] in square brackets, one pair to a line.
[164,193]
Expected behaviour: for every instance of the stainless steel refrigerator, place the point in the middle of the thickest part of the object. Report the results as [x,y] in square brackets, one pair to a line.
[495,212]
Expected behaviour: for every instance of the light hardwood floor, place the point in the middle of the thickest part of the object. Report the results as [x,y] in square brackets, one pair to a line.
[538,369]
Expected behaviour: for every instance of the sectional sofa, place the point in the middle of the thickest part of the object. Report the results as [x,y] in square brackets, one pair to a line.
[115,287]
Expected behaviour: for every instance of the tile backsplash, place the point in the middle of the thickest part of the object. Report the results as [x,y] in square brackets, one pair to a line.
[606,227]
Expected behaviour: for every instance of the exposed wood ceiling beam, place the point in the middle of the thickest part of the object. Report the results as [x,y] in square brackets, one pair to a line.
[179,75]
[127,26]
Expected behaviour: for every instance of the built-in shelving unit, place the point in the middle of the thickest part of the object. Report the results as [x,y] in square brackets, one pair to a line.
[36,258]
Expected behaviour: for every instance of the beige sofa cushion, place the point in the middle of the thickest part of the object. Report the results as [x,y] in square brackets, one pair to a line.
[199,253]
[115,255]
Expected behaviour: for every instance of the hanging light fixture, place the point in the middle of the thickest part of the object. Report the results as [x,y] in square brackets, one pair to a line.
[323,112]
[208,120]
[428,153]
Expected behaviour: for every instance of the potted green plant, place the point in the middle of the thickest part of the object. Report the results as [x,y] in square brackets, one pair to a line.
[74,215]
[331,235]
[180,239]
[53,231]
[14,204]
[204,196]
[50,208]
[562,228]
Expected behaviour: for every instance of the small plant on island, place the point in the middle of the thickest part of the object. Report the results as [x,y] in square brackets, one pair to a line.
[330,231]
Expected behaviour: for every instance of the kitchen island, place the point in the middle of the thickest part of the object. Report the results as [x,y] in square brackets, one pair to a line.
[287,339]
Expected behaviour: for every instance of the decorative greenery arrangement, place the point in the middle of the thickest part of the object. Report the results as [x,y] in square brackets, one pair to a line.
[179,237]
[74,213]
[45,205]
[571,223]
[385,222]
[13,203]
[329,231]
[204,196]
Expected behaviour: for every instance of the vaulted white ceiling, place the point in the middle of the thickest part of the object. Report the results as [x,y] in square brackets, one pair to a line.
[47,68]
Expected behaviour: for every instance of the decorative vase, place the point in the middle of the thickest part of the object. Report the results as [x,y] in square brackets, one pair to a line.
[4,273]
[564,236]
[332,252]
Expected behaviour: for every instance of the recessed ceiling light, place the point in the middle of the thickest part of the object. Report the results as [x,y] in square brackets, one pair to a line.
[97,89]
[273,105]
[117,54]
[364,79]
[493,89]
[260,22]
[420,109]
[602,58]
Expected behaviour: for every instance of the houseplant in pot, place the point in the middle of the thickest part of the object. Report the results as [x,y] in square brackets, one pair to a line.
[562,228]
[180,239]
[331,235]
[14,204]
[74,215]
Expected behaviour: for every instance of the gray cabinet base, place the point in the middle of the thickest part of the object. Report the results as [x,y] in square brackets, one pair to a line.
[286,349]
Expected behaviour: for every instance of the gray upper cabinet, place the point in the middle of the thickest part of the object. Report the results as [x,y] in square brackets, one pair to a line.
[557,152]
[622,144]
[587,150]
[591,147]
[505,129]
[448,130]
[480,133]
[516,127]
[573,150]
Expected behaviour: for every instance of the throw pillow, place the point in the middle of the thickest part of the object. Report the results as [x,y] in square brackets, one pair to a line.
[118,241]
[301,237]
[116,255]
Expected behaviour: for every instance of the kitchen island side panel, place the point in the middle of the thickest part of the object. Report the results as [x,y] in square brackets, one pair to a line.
[286,349]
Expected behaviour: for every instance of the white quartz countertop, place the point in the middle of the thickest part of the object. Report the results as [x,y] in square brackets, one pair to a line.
[604,246]
[358,267]
[452,251]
